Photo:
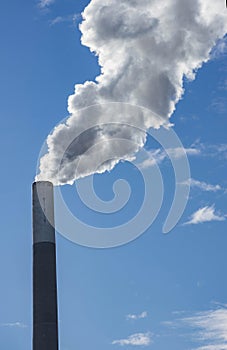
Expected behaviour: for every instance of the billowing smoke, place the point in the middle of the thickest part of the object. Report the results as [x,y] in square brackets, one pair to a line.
[145,49]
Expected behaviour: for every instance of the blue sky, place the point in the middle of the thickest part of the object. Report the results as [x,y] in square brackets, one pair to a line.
[156,292]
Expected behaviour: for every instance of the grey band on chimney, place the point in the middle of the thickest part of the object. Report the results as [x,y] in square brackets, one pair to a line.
[43,212]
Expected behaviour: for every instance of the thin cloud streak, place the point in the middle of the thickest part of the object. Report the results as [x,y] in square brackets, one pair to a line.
[212,150]
[210,328]
[206,329]
[143,314]
[45,3]
[204,186]
[14,324]
[137,339]
[64,19]
[205,214]
[157,156]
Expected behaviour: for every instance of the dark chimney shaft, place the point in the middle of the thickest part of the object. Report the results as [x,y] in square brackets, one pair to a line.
[45,315]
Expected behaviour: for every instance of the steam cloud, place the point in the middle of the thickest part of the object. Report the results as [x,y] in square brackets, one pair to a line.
[145,48]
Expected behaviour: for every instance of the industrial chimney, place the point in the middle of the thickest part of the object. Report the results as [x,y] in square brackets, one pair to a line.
[45,318]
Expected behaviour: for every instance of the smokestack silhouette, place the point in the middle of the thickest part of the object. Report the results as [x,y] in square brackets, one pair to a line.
[45,318]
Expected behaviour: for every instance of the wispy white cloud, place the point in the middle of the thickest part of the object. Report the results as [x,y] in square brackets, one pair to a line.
[64,19]
[222,149]
[212,150]
[14,324]
[180,152]
[209,328]
[154,156]
[57,20]
[202,185]
[137,339]
[157,156]
[143,314]
[45,3]
[218,150]
[223,84]
[205,214]
[219,105]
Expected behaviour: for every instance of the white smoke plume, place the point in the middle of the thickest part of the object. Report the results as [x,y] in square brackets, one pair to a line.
[145,49]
